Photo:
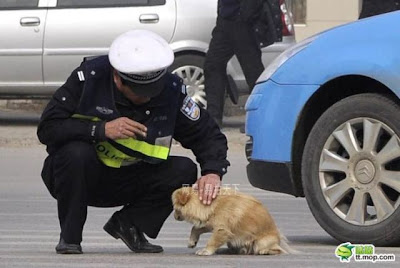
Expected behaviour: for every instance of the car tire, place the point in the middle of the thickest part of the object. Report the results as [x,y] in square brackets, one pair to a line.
[191,69]
[351,170]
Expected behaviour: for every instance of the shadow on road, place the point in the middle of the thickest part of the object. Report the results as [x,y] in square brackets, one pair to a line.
[313,240]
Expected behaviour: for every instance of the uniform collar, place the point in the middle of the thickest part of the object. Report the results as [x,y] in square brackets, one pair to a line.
[119,98]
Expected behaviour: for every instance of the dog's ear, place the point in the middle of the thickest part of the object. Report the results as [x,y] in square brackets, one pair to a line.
[183,196]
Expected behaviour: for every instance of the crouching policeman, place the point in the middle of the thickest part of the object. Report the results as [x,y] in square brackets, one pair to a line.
[108,132]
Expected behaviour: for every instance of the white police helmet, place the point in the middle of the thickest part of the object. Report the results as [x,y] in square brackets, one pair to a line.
[141,58]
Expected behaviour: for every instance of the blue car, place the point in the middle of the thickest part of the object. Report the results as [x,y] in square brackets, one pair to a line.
[324,124]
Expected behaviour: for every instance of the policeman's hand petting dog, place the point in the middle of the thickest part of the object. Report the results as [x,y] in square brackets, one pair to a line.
[108,132]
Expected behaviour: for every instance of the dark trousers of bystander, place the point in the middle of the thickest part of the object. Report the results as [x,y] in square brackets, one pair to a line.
[376,7]
[229,37]
[79,180]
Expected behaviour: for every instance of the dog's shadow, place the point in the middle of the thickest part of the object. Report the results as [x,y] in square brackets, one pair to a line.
[294,242]
[226,251]
[312,240]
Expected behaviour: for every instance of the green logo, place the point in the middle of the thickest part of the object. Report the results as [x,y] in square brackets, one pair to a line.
[361,253]
[344,252]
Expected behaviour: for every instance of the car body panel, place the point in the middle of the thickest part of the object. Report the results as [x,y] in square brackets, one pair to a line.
[324,63]
[277,107]
[301,76]
[198,27]
[21,47]
[85,36]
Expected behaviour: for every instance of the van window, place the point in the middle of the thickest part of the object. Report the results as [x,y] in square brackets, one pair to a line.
[107,3]
[4,4]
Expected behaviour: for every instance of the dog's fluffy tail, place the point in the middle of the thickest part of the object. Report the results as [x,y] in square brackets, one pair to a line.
[285,245]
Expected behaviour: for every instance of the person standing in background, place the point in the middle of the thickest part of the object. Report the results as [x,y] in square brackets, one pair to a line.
[242,27]
[376,7]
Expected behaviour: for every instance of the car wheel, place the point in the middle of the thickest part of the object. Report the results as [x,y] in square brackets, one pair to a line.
[190,69]
[351,170]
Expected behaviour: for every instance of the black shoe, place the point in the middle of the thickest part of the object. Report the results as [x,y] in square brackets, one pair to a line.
[65,248]
[132,237]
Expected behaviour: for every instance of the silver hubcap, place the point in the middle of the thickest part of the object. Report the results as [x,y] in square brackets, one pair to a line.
[359,171]
[193,78]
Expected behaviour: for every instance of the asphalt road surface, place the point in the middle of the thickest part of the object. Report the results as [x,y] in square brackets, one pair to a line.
[29,228]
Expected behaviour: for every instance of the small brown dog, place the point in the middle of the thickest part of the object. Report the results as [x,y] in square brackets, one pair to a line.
[234,218]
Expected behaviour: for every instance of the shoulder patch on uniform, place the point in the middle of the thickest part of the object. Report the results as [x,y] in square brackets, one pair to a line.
[81,76]
[190,109]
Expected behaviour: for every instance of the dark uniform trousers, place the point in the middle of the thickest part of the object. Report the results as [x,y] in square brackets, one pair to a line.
[376,7]
[230,37]
[81,180]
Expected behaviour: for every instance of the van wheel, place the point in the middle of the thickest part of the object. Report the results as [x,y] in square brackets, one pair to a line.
[191,69]
[351,170]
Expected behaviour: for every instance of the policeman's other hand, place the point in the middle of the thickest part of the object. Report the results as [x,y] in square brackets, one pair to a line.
[123,128]
[208,187]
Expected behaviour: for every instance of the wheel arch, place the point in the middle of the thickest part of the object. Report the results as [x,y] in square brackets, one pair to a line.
[320,101]
[189,52]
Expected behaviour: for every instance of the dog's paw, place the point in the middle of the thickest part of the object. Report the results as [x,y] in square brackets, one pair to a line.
[192,244]
[204,252]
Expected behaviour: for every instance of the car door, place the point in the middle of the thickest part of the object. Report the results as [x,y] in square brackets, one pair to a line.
[79,28]
[21,39]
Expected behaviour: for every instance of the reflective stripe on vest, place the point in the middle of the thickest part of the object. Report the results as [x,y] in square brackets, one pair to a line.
[85,117]
[113,157]
[145,148]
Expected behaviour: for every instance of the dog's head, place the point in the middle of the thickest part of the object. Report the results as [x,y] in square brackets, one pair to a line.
[189,208]
[180,198]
